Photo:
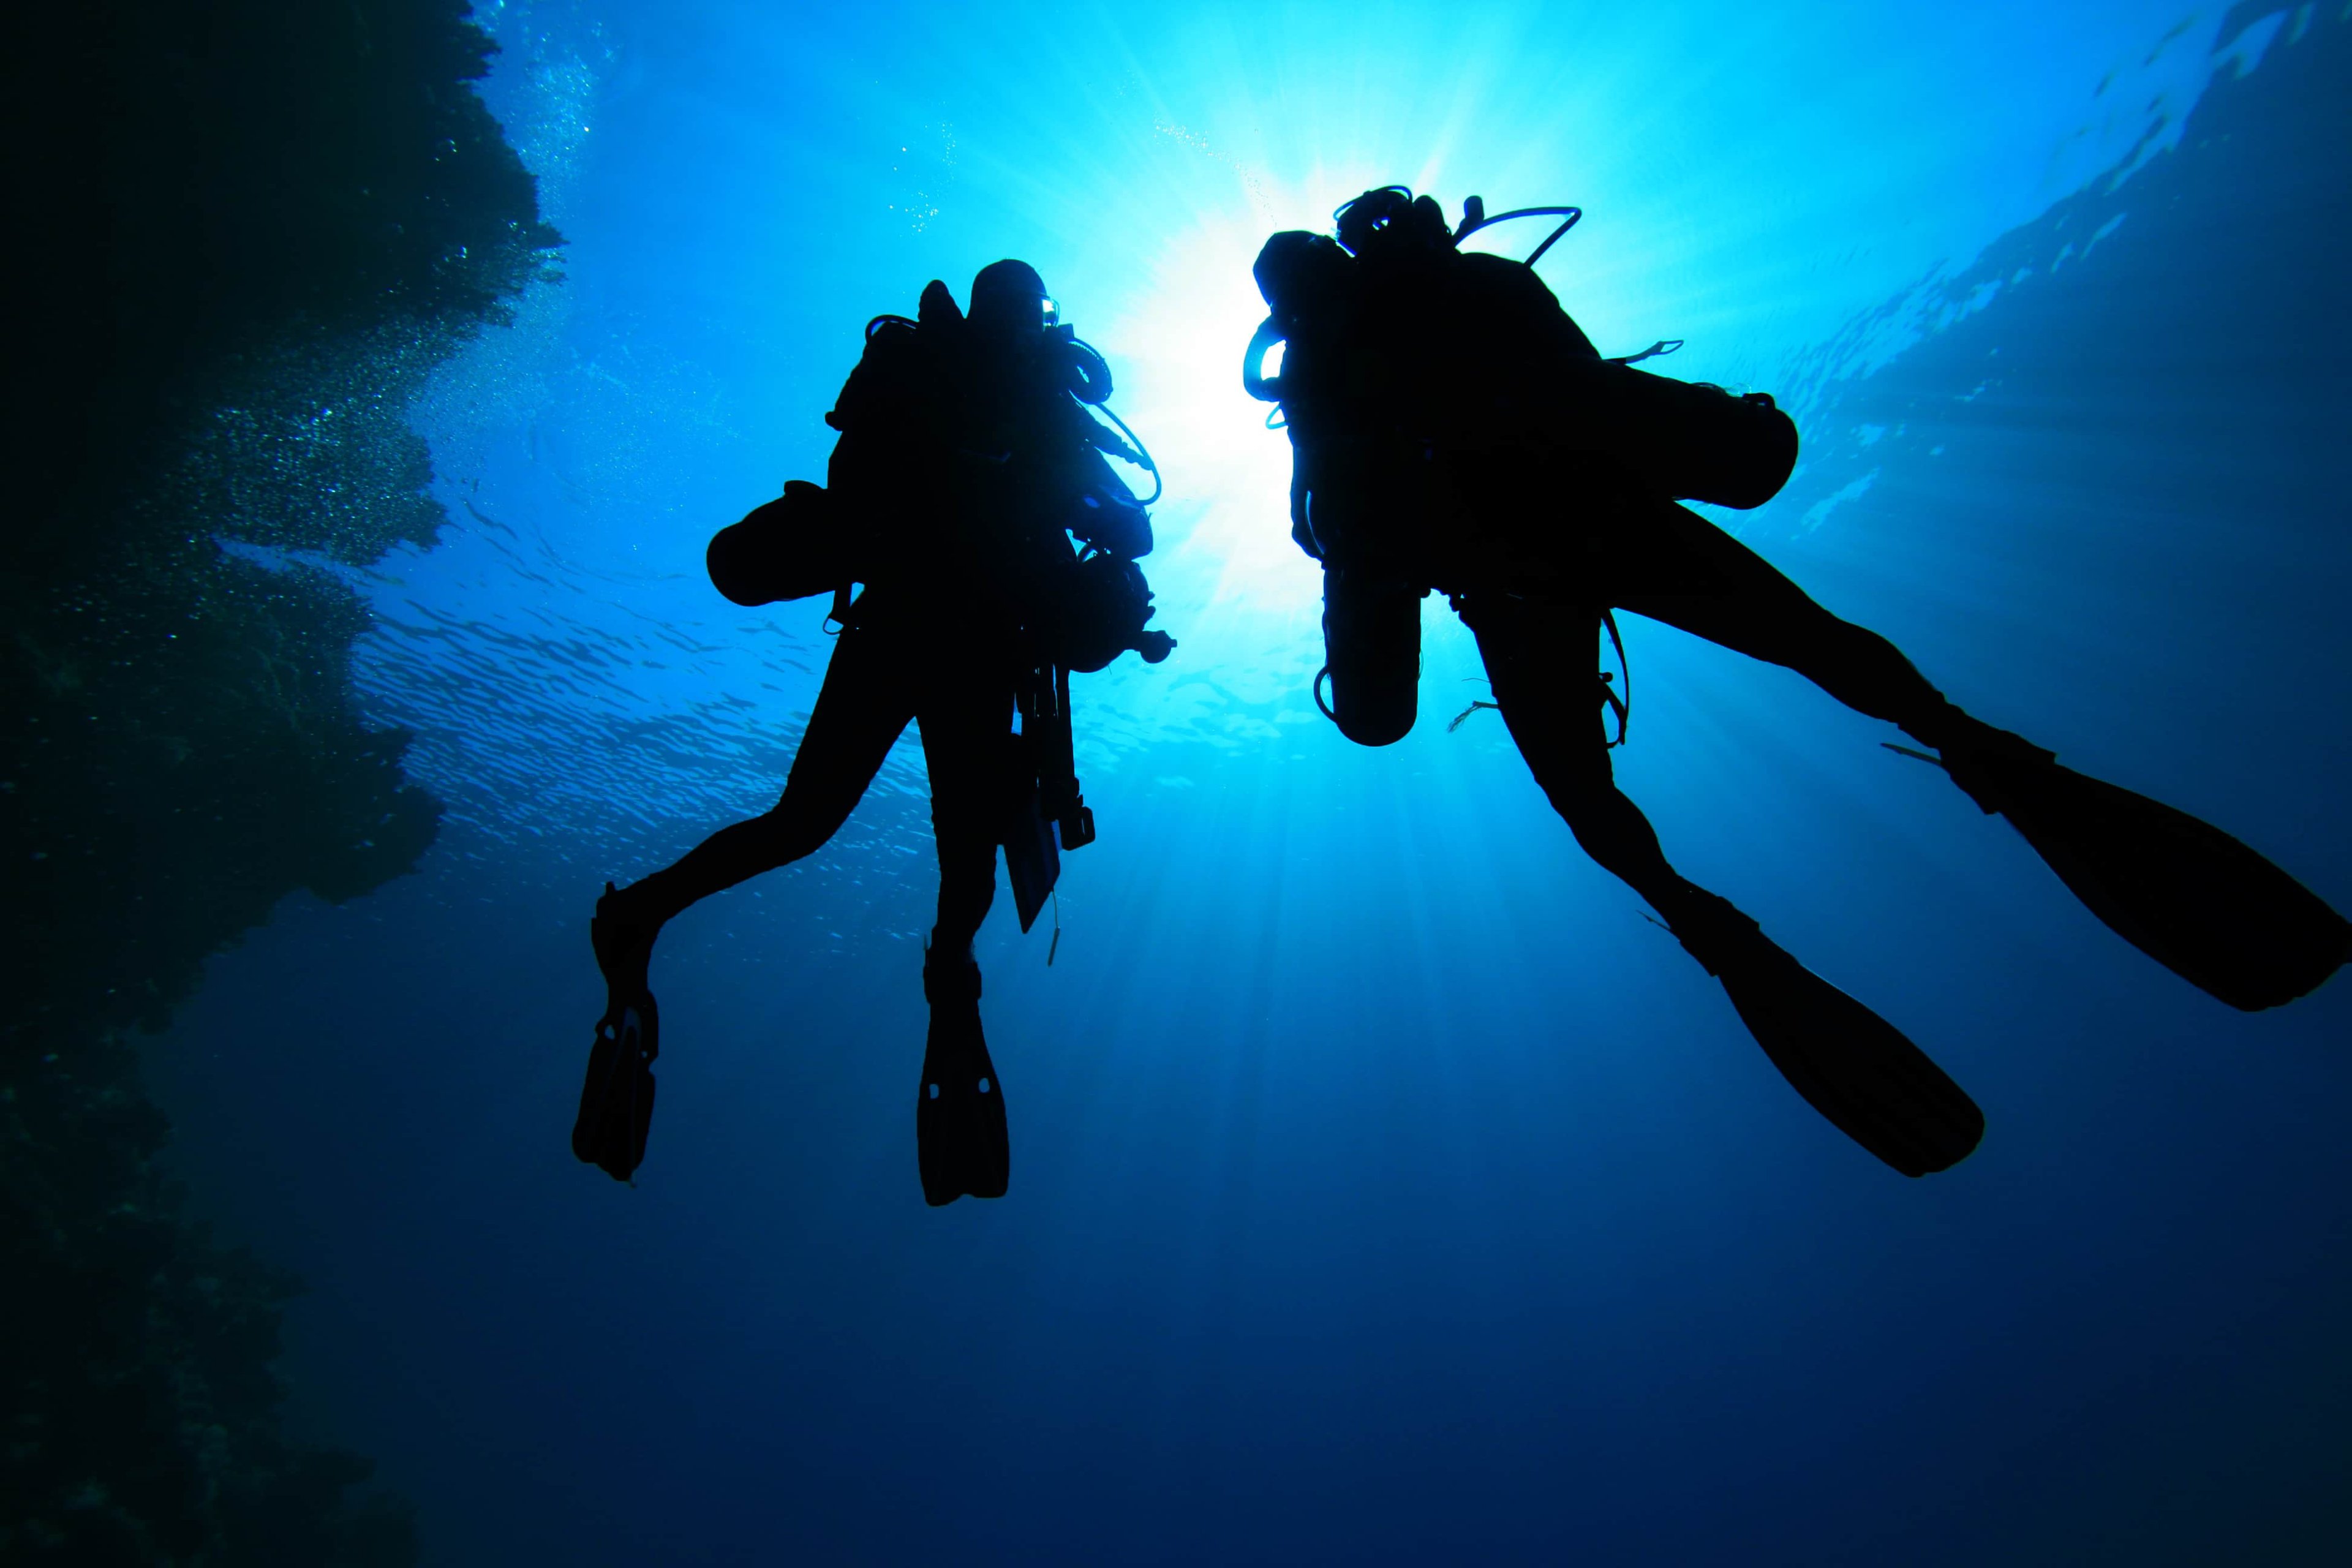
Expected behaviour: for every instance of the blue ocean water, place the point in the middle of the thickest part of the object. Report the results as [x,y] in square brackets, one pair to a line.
[1386,1189]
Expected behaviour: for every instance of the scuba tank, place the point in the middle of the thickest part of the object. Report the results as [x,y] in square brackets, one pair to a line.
[791,548]
[1371,653]
[1688,440]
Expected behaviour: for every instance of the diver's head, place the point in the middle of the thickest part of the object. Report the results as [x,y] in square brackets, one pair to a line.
[1391,222]
[1304,277]
[1008,299]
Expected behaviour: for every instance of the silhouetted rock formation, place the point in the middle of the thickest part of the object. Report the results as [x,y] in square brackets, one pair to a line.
[253,227]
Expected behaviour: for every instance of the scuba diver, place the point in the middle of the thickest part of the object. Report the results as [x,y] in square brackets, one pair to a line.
[1453,429]
[968,458]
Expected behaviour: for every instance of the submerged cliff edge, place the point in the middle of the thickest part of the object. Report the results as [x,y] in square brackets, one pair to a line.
[247,230]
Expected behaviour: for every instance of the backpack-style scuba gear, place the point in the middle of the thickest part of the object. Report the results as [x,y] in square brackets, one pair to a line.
[1340,302]
[813,540]
[1423,389]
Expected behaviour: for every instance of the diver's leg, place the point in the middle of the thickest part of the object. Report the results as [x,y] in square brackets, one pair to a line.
[1547,699]
[866,698]
[1850,1065]
[2180,889]
[961,1144]
[966,721]
[1670,564]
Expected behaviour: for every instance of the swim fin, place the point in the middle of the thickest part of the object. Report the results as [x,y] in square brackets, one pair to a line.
[2179,888]
[1850,1065]
[960,1142]
[617,1102]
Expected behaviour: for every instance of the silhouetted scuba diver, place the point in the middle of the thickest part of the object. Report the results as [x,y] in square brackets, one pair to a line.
[1454,429]
[967,460]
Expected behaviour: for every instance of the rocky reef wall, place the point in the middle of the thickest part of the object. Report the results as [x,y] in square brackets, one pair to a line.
[249,230]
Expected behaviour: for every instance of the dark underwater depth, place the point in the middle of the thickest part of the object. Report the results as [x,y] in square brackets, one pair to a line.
[1385,1187]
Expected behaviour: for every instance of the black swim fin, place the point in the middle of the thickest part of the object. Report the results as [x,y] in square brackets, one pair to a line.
[1850,1065]
[2179,888]
[617,1102]
[960,1142]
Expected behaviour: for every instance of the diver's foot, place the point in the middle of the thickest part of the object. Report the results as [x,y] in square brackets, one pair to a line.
[623,936]
[961,1145]
[616,1101]
[1976,756]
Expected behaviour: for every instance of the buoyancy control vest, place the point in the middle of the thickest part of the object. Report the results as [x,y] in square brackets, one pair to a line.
[1404,355]
[1447,418]
[972,473]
